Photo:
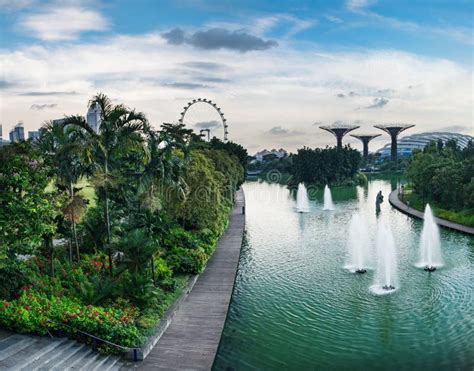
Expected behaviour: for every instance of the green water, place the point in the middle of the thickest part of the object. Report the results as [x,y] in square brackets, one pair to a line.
[295,307]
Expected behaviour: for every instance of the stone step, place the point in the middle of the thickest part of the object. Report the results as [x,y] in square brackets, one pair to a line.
[78,361]
[35,351]
[12,345]
[48,360]
[112,363]
[77,351]
[88,362]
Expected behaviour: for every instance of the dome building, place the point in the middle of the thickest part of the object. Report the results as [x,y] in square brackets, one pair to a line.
[407,144]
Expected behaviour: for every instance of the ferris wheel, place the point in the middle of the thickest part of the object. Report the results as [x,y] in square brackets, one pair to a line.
[211,104]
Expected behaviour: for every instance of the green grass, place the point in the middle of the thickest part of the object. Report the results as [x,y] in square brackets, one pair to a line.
[87,191]
[464,217]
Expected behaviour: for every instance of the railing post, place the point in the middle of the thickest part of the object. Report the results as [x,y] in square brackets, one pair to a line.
[94,344]
[135,355]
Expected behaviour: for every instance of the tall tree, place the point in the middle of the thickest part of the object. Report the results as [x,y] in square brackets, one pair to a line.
[62,152]
[119,133]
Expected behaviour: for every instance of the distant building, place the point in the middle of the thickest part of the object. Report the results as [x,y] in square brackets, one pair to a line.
[33,135]
[17,133]
[93,117]
[407,144]
[278,153]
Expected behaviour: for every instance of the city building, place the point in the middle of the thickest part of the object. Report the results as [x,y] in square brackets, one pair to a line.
[407,144]
[33,135]
[278,153]
[93,117]
[17,133]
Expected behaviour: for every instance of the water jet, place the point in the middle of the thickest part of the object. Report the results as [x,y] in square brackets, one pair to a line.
[430,244]
[328,204]
[357,245]
[302,201]
[386,277]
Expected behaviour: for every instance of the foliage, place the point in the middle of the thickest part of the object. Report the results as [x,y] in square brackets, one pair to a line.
[27,212]
[282,165]
[231,148]
[464,216]
[33,312]
[203,205]
[155,205]
[444,175]
[330,165]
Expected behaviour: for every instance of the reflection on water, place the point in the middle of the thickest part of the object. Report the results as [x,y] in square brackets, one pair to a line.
[295,306]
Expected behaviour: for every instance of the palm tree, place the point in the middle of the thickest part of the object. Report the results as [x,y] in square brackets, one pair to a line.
[120,132]
[62,151]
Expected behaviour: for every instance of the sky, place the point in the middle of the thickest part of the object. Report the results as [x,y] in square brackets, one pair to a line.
[277,69]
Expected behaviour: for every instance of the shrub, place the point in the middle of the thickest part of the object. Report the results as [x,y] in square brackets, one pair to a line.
[37,313]
[187,261]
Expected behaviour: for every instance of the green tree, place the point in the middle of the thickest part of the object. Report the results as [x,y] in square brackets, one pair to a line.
[27,211]
[62,153]
[120,134]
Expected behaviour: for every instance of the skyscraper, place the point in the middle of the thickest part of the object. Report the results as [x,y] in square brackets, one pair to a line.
[33,135]
[17,133]
[93,117]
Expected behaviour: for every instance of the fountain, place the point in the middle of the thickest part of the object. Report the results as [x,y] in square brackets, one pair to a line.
[328,204]
[386,274]
[430,250]
[302,202]
[358,245]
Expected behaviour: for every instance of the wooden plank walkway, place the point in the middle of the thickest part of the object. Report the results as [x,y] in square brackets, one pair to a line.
[192,339]
[404,208]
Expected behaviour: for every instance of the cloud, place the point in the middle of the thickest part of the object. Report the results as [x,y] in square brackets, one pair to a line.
[205,65]
[217,80]
[290,87]
[457,129]
[14,5]
[175,36]
[219,38]
[46,93]
[378,103]
[208,124]
[333,19]
[6,84]
[39,107]
[279,131]
[186,85]
[356,5]
[66,23]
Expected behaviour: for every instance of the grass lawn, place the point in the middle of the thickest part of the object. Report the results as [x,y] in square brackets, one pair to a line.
[464,217]
[87,191]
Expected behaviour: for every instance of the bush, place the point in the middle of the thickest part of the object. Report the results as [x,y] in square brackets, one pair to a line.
[187,261]
[37,313]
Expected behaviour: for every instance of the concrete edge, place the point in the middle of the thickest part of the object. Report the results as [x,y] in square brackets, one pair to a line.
[405,209]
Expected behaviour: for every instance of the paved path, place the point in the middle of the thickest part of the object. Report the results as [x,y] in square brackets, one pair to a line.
[396,203]
[192,339]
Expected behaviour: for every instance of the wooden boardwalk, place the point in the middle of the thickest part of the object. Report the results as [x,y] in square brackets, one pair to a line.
[192,339]
[404,208]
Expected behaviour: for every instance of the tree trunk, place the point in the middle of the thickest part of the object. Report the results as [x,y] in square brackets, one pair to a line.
[107,216]
[73,221]
[153,270]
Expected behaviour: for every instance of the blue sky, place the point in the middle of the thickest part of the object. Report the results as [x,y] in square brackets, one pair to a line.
[364,61]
